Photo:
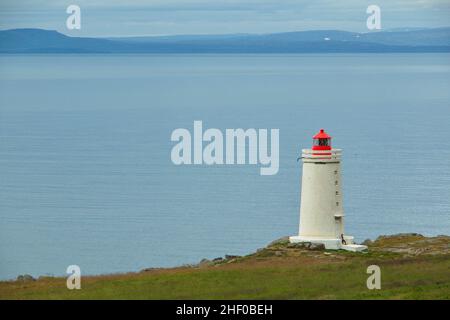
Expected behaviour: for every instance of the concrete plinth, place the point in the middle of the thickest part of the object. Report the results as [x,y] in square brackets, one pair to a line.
[331,243]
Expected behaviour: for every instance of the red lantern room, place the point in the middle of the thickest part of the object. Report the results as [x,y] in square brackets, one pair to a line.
[322,141]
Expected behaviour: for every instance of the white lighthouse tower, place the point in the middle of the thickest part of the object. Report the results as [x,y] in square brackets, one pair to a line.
[321,209]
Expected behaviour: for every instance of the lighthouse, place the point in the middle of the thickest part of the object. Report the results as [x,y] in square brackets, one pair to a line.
[321,204]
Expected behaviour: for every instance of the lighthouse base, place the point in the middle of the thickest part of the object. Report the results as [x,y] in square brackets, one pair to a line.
[331,243]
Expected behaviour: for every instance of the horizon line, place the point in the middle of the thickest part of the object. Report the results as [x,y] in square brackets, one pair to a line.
[397,29]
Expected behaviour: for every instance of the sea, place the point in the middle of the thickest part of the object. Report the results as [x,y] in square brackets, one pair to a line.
[87,179]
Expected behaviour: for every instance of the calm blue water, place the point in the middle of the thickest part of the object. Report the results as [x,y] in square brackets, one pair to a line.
[86,176]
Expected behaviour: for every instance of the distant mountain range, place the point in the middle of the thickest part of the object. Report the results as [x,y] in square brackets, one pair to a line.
[320,41]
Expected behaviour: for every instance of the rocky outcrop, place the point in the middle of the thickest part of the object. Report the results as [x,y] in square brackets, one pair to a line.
[25,278]
[400,235]
[412,244]
[401,245]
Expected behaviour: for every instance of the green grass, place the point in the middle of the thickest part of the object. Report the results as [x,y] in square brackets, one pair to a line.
[304,275]
[411,279]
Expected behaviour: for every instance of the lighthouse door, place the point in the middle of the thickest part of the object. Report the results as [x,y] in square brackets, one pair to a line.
[338,226]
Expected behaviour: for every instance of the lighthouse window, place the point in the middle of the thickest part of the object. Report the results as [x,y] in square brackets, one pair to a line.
[321,142]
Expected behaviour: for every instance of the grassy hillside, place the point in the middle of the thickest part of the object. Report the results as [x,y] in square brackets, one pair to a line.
[412,267]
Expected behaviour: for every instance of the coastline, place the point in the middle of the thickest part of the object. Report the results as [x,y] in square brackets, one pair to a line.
[413,266]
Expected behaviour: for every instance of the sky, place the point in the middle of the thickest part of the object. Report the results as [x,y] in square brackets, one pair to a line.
[104,18]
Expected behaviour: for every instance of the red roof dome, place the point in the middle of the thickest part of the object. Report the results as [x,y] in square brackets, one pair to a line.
[322,135]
